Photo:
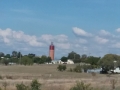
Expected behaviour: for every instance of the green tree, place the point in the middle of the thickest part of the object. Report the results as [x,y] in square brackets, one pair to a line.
[83,58]
[5,61]
[31,55]
[48,59]
[14,60]
[36,59]
[19,55]
[2,54]
[108,61]
[7,56]
[92,60]
[14,54]
[74,56]
[26,60]
[43,59]
[64,59]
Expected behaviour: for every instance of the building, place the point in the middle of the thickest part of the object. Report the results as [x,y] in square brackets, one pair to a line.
[51,51]
[60,62]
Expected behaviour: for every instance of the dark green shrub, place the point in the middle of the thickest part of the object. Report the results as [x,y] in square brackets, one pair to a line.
[64,67]
[82,86]
[35,85]
[22,87]
[78,69]
[61,67]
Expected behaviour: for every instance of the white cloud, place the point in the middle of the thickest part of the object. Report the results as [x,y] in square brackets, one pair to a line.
[101,40]
[63,45]
[58,38]
[118,30]
[10,37]
[82,41]
[81,32]
[97,45]
[104,32]
[116,45]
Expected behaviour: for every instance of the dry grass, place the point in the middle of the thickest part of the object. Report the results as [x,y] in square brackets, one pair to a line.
[51,78]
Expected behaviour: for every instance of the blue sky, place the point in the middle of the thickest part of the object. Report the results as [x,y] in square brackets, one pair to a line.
[84,26]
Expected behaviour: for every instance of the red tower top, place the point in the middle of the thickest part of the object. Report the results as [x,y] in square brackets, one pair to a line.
[52,46]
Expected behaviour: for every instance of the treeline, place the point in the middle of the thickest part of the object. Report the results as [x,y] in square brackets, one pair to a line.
[108,60]
[77,58]
[18,58]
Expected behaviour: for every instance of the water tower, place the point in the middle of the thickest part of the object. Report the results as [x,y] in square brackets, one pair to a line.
[51,51]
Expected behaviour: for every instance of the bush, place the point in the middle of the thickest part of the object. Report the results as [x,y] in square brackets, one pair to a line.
[78,69]
[22,87]
[86,67]
[62,67]
[81,86]
[35,85]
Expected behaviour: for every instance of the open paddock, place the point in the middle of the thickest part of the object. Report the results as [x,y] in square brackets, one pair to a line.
[51,78]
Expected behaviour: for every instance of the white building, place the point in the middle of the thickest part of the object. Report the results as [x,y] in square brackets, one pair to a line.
[69,61]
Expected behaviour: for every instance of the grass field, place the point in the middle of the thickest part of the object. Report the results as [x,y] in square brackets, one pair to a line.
[51,78]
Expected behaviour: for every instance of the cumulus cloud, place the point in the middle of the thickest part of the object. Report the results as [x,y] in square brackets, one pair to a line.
[97,44]
[118,30]
[101,40]
[82,41]
[104,33]
[59,38]
[116,45]
[81,32]
[10,37]
[25,42]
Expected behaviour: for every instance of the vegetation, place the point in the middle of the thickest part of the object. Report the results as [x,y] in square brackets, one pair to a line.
[35,85]
[26,60]
[64,59]
[82,86]
[74,56]
[22,87]
[108,61]
[61,67]
[78,69]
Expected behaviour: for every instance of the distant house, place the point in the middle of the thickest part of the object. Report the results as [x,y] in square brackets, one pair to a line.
[69,61]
